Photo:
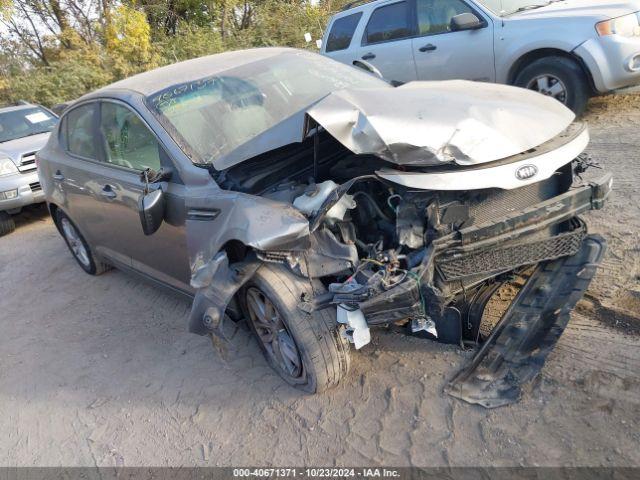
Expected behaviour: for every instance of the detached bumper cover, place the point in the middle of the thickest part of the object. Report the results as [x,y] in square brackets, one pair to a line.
[518,347]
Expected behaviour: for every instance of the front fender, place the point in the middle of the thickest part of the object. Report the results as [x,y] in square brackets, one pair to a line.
[217,218]
[260,223]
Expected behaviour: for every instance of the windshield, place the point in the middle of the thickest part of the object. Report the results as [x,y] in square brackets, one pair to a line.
[506,7]
[225,118]
[24,122]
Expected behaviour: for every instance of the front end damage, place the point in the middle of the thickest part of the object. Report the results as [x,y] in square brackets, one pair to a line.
[397,241]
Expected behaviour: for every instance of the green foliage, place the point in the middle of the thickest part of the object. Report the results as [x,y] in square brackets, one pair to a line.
[131,36]
[76,71]
[193,41]
[5,7]
[128,42]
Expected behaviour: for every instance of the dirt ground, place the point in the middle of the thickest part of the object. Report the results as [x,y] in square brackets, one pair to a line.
[101,371]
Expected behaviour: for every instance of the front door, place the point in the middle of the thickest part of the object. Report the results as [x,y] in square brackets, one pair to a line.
[386,42]
[128,148]
[442,54]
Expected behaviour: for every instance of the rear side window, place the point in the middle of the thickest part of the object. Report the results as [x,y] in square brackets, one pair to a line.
[342,32]
[78,129]
[390,22]
[127,140]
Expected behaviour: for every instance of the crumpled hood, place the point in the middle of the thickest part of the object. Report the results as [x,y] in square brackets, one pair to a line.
[14,149]
[434,123]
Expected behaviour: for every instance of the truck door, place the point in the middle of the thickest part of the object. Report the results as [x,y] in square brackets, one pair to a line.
[443,54]
[386,42]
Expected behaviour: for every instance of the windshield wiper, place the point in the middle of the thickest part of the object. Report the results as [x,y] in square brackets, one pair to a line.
[528,7]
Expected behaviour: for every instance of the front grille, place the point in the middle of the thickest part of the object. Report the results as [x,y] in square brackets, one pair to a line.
[28,162]
[35,186]
[495,203]
[507,258]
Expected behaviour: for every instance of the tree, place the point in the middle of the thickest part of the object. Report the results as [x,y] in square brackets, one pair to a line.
[56,50]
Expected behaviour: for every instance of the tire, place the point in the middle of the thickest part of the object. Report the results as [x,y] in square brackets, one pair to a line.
[322,353]
[570,75]
[7,225]
[79,247]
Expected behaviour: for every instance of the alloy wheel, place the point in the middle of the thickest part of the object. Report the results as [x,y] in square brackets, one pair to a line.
[274,335]
[550,86]
[75,242]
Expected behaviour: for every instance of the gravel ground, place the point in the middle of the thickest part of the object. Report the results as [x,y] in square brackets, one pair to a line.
[101,370]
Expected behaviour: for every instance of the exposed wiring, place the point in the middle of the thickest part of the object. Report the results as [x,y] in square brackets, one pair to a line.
[371,260]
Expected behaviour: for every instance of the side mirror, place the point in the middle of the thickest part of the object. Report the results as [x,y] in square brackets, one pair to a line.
[151,208]
[151,204]
[465,21]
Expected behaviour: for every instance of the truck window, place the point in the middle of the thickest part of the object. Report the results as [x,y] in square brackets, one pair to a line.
[342,32]
[390,22]
[434,16]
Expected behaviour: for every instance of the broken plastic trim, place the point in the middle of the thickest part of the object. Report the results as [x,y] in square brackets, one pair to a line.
[333,198]
[517,348]
[217,282]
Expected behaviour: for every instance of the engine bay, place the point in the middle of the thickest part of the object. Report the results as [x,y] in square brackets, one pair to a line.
[386,254]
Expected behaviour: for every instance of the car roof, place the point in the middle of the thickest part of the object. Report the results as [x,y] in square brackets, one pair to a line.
[158,79]
[358,6]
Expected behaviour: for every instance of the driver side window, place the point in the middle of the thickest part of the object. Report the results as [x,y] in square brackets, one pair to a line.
[126,139]
[434,16]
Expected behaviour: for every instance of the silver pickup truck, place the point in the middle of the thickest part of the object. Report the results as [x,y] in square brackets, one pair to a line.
[24,129]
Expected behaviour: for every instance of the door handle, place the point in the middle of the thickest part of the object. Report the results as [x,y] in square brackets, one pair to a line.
[429,47]
[368,56]
[108,192]
[58,176]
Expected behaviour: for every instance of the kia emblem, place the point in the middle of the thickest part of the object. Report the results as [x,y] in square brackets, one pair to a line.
[526,172]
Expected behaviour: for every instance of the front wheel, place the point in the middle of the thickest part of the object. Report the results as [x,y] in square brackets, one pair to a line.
[306,350]
[557,77]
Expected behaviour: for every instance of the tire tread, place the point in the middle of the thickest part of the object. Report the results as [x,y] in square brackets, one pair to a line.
[317,334]
[574,76]
[7,225]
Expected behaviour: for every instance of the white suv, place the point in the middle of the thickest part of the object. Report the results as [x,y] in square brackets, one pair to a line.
[568,49]
[24,129]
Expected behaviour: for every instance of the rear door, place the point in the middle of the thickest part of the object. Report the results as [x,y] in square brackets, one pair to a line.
[442,54]
[341,37]
[386,42]
[72,170]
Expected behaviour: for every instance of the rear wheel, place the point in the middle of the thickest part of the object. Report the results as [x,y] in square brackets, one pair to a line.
[557,77]
[7,225]
[306,350]
[79,247]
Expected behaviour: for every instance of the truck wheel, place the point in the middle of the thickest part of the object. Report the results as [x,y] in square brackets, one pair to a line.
[79,247]
[306,350]
[557,77]
[7,225]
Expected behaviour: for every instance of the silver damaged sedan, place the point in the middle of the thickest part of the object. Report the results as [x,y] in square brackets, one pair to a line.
[317,202]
